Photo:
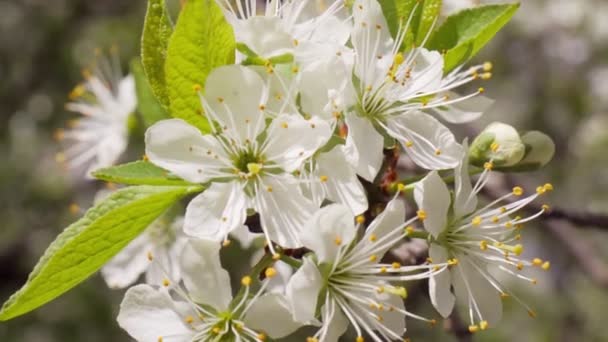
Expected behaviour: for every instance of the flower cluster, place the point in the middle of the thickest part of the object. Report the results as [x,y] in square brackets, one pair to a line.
[299,127]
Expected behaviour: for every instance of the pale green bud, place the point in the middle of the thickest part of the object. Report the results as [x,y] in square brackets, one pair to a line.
[539,151]
[499,143]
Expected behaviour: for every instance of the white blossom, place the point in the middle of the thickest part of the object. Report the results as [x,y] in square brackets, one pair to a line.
[480,241]
[105,100]
[347,278]
[394,88]
[205,309]
[247,163]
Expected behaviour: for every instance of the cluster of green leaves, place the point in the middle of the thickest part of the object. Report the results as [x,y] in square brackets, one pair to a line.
[175,61]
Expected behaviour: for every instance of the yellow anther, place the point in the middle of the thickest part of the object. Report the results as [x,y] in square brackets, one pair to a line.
[77,92]
[261,337]
[437,152]
[509,224]
[520,266]
[503,210]
[548,187]
[373,237]
[323,178]
[269,188]
[383,269]
[396,265]
[432,323]
[360,219]
[487,66]
[473,329]
[540,190]
[312,339]
[481,90]
[421,214]
[159,339]
[226,243]
[196,88]
[483,325]
[276,256]
[429,260]
[59,134]
[453,262]
[494,147]
[338,241]
[546,265]
[360,339]
[545,207]
[220,99]
[216,330]
[150,256]
[373,258]
[284,125]
[380,289]
[166,282]
[74,209]
[518,249]
[476,221]
[254,168]
[495,219]
[295,69]
[246,281]
[488,166]
[534,281]
[518,191]
[296,42]
[399,59]
[409,230]
[270,272]
[400,187]
[262,107]
[531,313]
[483,245]
[486,76]
[189,319]
[145,158]
[409,144]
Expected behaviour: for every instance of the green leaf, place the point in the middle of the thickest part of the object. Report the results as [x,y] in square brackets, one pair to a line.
[85,246]
[423,19]
[139,173]
[463,34]
[154,43]
[147,105]
[202,41]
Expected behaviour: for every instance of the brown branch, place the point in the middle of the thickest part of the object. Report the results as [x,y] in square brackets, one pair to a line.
[581,249]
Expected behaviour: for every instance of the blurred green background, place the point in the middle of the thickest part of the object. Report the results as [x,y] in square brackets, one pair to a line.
[551,74]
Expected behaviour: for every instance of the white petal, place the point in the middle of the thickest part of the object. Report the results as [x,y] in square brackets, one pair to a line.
[125,267]
[182,149]
[464,200]
[364,147]
[370,38]
[216,212]
[109,148]
[235,94]
[433,145]
[283,210]
[440,285]
[270,313]
[266,36]
[303,291]
[393,319]
[464,111]
[148,314]
[126,95]
[342,184]
[483,293]
[390,219]
[433,196]
[426,75]
[244,236]
[336,323]
[292,139]
[330,228]
[207,282]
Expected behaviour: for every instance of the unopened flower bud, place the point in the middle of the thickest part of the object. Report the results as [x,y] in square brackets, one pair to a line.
[499,143]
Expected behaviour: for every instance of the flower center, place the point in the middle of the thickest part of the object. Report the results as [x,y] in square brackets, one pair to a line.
[248,162]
